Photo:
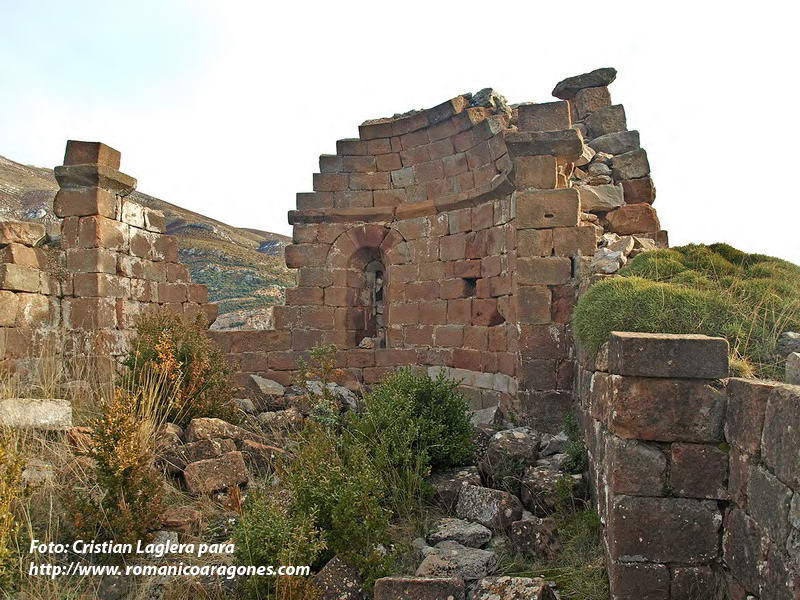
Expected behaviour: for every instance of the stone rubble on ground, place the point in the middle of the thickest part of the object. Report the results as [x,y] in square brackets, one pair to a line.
[31,413]
[469,534]
[451,559]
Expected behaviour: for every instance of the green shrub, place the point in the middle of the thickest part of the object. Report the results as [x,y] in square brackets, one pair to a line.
[195,369]
[268,533]
[714,290]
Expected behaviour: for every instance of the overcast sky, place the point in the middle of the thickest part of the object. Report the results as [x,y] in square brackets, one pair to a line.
[224,107]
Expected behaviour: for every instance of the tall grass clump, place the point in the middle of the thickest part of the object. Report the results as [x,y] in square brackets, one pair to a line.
[717,290]
[11,490]
[197,377]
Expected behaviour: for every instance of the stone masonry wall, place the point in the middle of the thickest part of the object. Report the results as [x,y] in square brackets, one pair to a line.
[112,263]
[695,476]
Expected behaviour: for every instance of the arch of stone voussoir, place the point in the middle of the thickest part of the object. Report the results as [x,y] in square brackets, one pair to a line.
[388,241]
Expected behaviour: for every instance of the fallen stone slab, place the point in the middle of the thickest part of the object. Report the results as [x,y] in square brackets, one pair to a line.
[206,476]
[451,559]
[473,535]
[419,588]
[447,485]
[567,88]
[34,413]
[494,509]
[513,588]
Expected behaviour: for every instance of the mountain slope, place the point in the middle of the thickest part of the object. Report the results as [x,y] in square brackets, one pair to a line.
[243,268]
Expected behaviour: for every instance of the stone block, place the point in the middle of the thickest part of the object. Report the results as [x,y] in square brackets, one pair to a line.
[573,241]
[101,232]
[637,191]
[96,153]
[666,410]
[588,100]
[533,304]
[793,368]
[668,355]
[83,202]
[550,270]
[663,530]
[630,165]
[699,471]
[91,260]
[25,256]
[768,502]
[781,438]
[210,475]
[546,116]
[27,413]
[89,313]
[744,421]
[638,581]
[609,119]
[742,549]
[567,144]
[419,588]
[536,242]
[21,232]
[9,303]
[494,509]
[538,171]
[544,209]
[600,198]
[513,588]
[94,175]
[90,285]
[19,279]
[616,143]
[634,468]
[569,87]
[632,219]
[330,182]
[693,582]
[306,255]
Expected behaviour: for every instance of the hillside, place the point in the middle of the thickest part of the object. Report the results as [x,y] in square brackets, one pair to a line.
[243,268]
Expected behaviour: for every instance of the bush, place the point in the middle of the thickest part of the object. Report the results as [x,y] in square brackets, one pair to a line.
[128,504]
[713,290]
[268,533]
[11,488]
[195,369]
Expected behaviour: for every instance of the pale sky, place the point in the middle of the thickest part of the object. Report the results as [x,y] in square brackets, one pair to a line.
[224,107]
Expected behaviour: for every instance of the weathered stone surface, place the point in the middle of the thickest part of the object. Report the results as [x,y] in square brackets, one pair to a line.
[588,100]
[630,165]
[535,537]
[546,116]
[176,458]
[553,444]
[638,581]
[742,549]
[543,209]
[473,535]
[635,468]
[699,471]
[513,588]
[284,421]
[747,404]
[567,144]
[19,278]
[667,410]
[339,581]
[507,456]
[768,502]
[206,476]
[268,387]
[609,119]
[419,588]
[615,143]
[206,428]
[261,457]
[788,342]
[451,559]
[25,413]
[793,368]
[633,218]
[668,355]
[567,88]
[663,530]
[539,171]
[495,509]
[21,232]
[83,153]
[447,485]
[182,518]
[637,191]
[539,489]
[600,198]
[77,176]
[780,443]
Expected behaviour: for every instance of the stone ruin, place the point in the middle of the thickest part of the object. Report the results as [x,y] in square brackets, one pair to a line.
[458,239]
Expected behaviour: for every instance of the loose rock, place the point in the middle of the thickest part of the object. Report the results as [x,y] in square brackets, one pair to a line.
[567,88]
[508,454]
[495,509]
[513,588]
[465,533]
[447,485]
[451,559]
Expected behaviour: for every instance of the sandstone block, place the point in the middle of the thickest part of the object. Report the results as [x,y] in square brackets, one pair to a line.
[21,232]
[742,548]
[83,202]
[768,502]
[546,208]
[176,459]
[567,144]
[540,489]
[91,260]
[24,256]
[494,509]
[472,535]
[513,588]
[634,468]
[100,232]
[699,471]
[507,455]
[94,175]
[550,270]
[97,153]
[573,241]
[88,285]
[663,530]
[666,410]
[781,438]
[205,428]
[640,190]
[419,588]
[744,421]
[533,304]
[630,165]
[547,116]
[9,304]
[89,313]
[339,581]
[19,279]
[210,475]
[588,100]
[26,413]
[569,87]
[668,355]
[619,142]
[447,485]
[600,198]
[633,218]
[535,537]
[536,242]
[449,558]
[609,119]
[538,171]
[639,581]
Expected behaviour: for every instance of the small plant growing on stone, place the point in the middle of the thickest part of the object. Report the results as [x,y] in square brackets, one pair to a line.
[315,373]
[195,372]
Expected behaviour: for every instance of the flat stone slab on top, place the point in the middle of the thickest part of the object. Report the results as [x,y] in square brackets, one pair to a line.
[668,355]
